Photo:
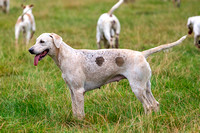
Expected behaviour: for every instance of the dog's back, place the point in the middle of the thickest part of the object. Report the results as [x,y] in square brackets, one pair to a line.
[105,21]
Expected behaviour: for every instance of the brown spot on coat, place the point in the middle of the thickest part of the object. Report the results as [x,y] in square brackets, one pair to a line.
[99,61]
[119,61]
[190,31]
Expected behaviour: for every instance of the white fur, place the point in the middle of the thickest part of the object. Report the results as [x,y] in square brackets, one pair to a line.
[85,70]
[108,28]
[193,24]
[25,23]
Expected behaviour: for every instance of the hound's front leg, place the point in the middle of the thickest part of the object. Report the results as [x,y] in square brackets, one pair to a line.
[77,96]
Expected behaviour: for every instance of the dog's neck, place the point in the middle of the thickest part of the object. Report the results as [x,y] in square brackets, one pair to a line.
[64,52]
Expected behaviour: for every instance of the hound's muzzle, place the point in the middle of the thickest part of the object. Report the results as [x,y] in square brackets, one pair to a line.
[39,56]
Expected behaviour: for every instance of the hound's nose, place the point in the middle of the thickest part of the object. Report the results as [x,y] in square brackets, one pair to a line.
[31,50]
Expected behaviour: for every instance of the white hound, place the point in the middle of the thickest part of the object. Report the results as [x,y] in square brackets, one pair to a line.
[108,28]
[177,3]
[25,23]
[193,24]
[5,4]
[85,70]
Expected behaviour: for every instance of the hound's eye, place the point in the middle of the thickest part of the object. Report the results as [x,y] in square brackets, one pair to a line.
[41,41]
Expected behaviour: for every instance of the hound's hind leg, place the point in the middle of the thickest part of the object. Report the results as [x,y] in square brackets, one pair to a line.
[117,41]
[112,40]
[108,38]
[139,80]
[151,97]
[140,92]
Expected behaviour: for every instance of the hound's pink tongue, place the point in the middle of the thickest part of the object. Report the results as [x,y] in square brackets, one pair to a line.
[36,59]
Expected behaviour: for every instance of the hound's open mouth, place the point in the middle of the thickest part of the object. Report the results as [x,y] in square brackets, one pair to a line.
[40,56]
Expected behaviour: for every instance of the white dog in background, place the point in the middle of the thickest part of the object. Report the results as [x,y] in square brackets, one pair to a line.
[85,70]
[177,3]
[108,28]
[193,24]
[4,4]
[25,23]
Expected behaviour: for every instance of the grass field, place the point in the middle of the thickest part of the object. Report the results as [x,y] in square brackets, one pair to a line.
[36,99]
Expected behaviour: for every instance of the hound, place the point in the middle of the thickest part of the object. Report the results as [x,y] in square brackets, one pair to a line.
[193,24]
[25,23]
[177,3]
[108,28]
[4,4]
[85,70]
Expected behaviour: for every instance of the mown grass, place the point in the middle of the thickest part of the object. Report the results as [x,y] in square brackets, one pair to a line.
[36,99]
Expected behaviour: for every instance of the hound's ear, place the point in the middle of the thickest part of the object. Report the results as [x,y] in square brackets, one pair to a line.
[23,6]
[31,5]
[57,40]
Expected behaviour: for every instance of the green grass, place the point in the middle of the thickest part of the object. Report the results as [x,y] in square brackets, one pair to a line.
[36,99]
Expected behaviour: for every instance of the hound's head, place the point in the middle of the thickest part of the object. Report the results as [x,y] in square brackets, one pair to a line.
[27,8]
[46,43]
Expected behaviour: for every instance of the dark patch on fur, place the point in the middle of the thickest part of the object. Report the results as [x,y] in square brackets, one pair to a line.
[99,61]
[190,31]
[119,61]
[22,18]
[113,22]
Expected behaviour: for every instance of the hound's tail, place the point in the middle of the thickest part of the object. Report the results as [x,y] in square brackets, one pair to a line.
[115,7]
[149,52]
